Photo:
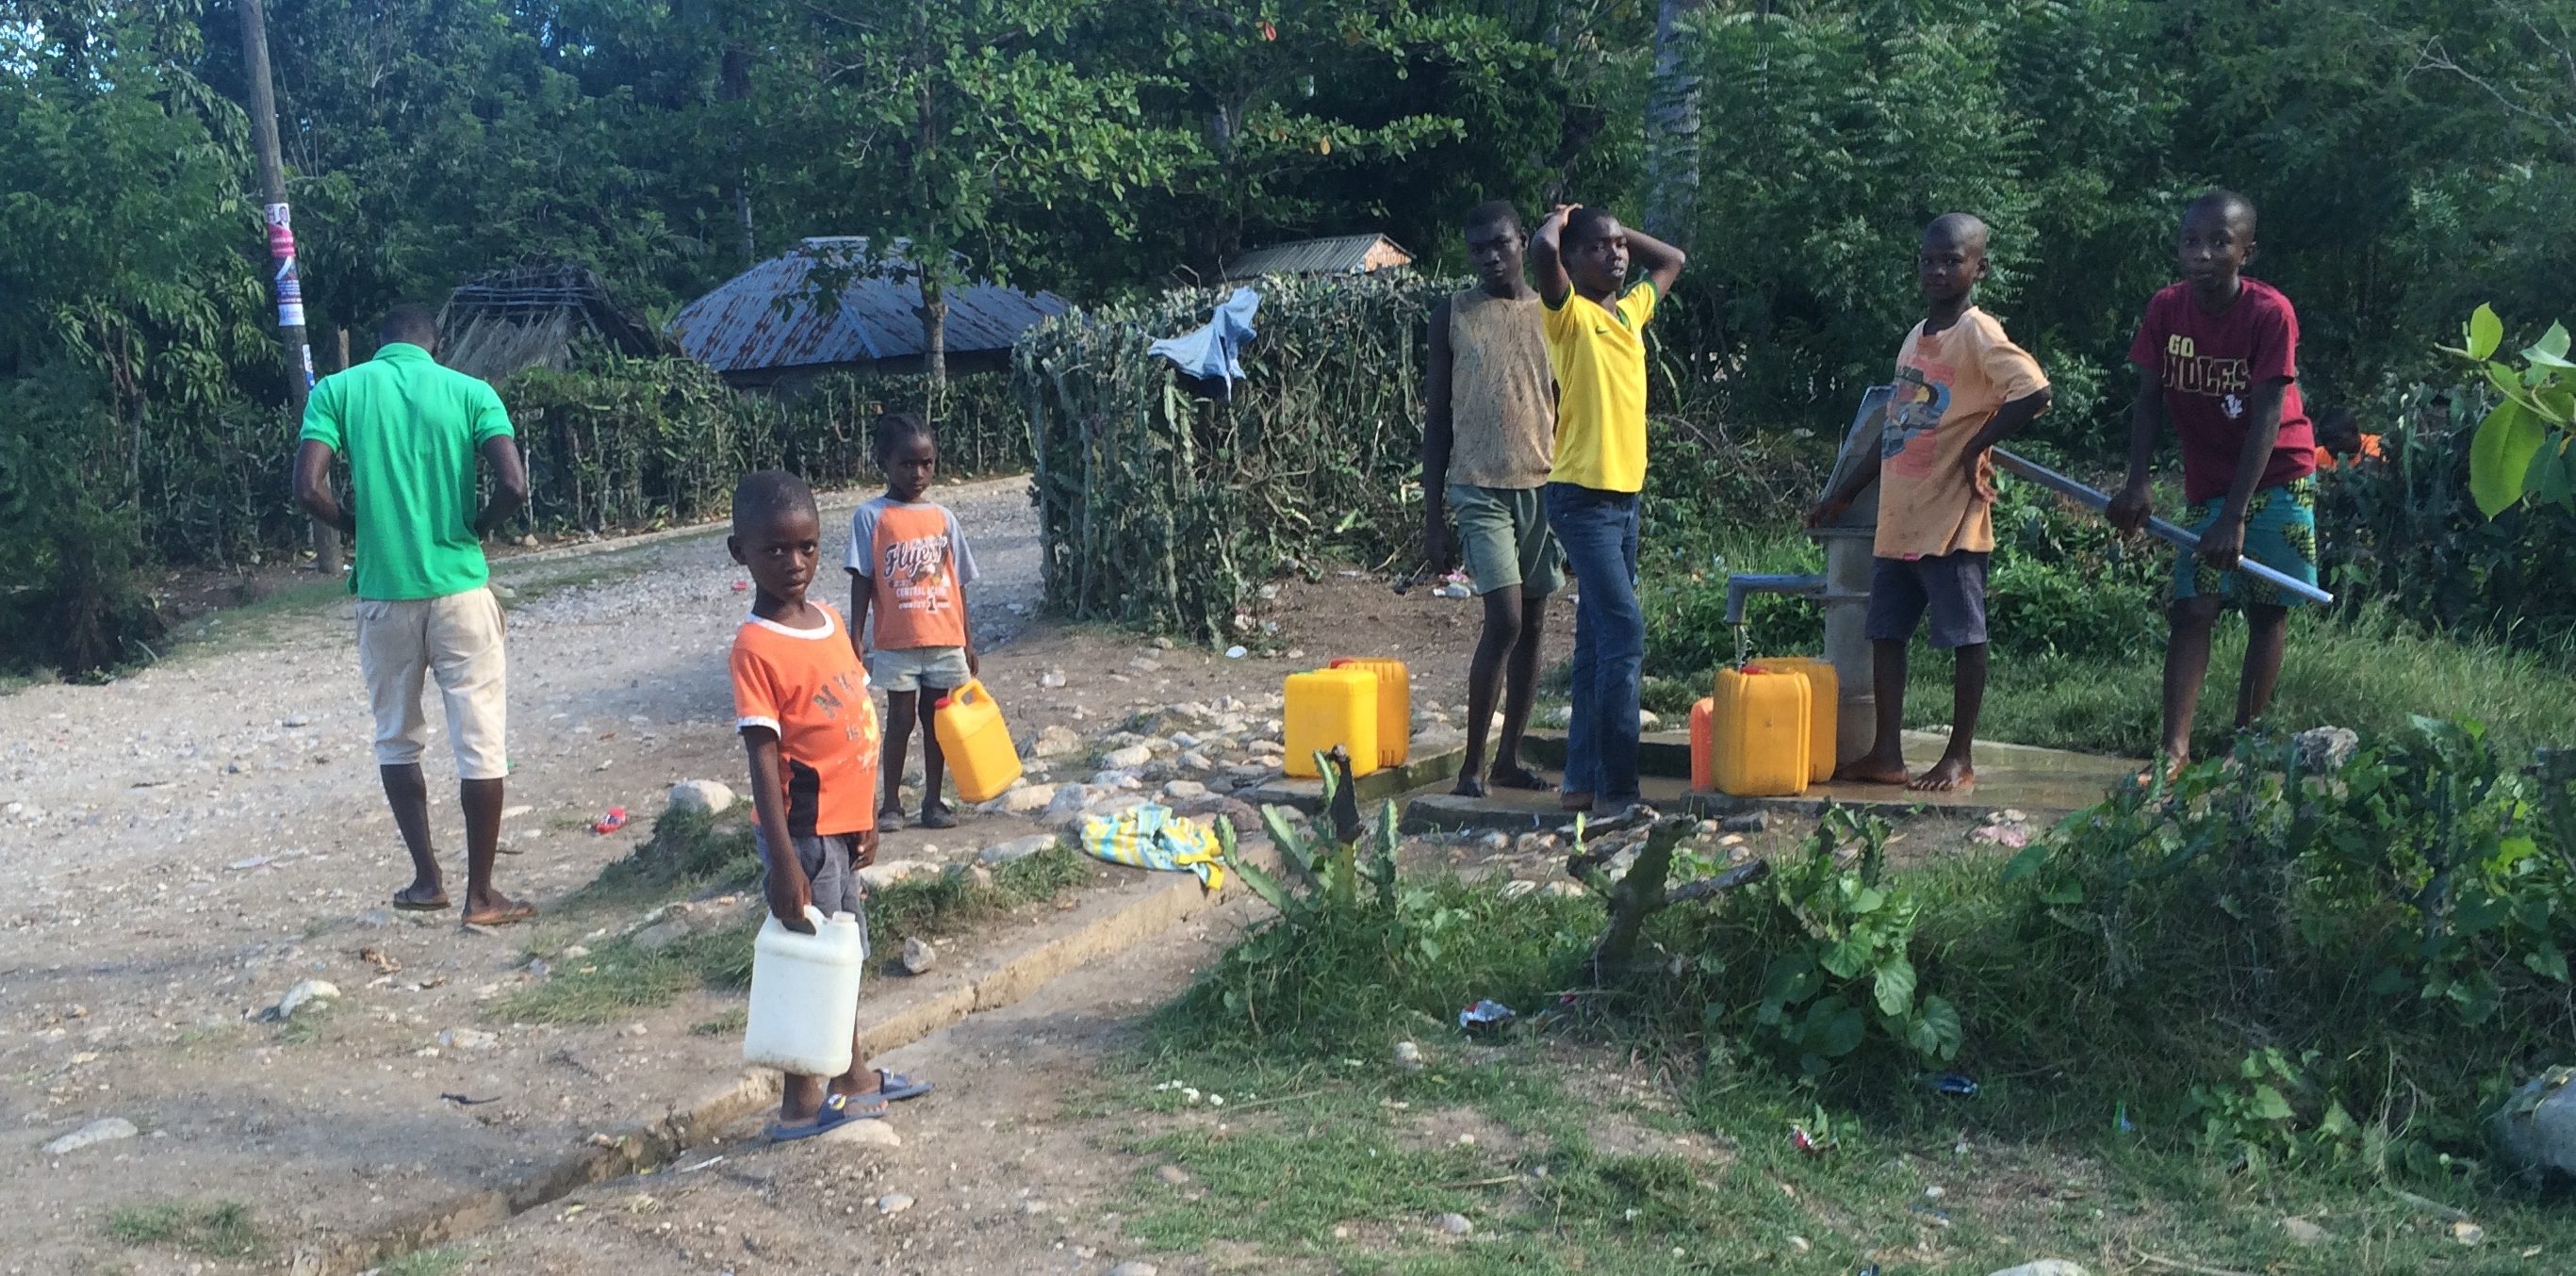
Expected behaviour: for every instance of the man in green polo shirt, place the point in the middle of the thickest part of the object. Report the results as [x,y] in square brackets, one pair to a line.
[411,431]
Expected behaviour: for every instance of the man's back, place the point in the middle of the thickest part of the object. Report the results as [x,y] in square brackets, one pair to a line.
[410,431]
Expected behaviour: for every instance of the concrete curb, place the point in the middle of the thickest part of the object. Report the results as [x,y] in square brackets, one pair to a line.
[698,1119]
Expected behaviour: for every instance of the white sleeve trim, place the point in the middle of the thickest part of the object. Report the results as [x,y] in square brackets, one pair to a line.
[771,723]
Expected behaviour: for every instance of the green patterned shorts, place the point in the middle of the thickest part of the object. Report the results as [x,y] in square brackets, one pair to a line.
[2280,533]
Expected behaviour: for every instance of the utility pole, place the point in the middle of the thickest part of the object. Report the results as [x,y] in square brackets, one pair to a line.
[281,247]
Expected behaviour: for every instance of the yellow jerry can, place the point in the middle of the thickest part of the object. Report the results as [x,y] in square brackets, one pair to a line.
[1824,710]
[1703,745]
[1759,732]
[1394,708]
[1332,707]
[976,743]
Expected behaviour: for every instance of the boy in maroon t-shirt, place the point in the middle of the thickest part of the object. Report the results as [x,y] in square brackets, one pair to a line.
[2217,355]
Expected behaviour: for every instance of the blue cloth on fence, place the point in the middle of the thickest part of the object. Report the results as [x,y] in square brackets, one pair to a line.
[1216,350]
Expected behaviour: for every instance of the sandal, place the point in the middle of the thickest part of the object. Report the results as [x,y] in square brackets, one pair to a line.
[514,913]
[897,1087]
[410,903]
[830,1116]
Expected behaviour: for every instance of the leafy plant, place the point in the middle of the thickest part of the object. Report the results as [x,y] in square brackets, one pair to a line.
[2253,1119]
[2521,449]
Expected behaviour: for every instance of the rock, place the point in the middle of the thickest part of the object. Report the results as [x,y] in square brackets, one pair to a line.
[1028,799]
[1195,761]
[1017,849]
[661,934]
[1267,748]
[2536,1129]
[1245,777]
[1184,790]
[1648,720]
[1455,1224]
[1130,758]
[1563,890]
[2303,1232]
[1115,781]
[701,795]
[1518,887]
[303,994]
[877,877]
[871,1132]
[1055,741]
[2044,1267]
[918,956]
[1172,1175]
[468,1039]
[2467,1233]
[1747,822]
[1069,801]
[2325,748]
[1134,1267]
[103,1130]
[975,877]
[1052,679]
[1495,843]
[1408,1057]
[891,1202]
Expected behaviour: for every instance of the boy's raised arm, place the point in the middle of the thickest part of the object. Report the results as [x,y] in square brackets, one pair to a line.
[783,882]
[1438,433]
[1658,260]
[2129,509]
[1546,253]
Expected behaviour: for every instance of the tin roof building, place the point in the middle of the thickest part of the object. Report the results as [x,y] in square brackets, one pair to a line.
[1340,255]
[832,304]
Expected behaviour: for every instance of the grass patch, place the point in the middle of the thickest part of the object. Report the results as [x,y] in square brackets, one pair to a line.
[427,1262]
[306,1026]
[216,1229]
[687,850]
[2371,672]
[258,622]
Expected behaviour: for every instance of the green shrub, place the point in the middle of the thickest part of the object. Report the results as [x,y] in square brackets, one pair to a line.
[75,598]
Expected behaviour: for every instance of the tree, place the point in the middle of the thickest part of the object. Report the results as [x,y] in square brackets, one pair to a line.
[968,124]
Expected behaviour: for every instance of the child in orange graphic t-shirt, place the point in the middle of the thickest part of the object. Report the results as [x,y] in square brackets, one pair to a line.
[809,732]
[909,568]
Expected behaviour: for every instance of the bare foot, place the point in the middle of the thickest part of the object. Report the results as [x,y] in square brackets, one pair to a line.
[2173,766]
[1872,769]
[1946,776]
[1468,786]
[1513,777]
[497,909]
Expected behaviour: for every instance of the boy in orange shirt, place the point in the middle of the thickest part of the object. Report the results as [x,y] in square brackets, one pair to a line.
[1962,387]
[810,731]
[909,567]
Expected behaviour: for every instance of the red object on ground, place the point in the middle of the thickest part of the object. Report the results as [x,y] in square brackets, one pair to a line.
[611,822]
[741,585]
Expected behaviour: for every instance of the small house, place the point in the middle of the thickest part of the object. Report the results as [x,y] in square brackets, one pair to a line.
[1339,255]
[833,304]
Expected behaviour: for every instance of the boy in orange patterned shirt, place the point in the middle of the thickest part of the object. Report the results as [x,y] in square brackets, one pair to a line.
[810,731]
[909,567]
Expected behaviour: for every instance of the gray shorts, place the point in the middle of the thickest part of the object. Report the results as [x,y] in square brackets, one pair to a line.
[1950,586]
[1503,536]
[919,669]
[831,871]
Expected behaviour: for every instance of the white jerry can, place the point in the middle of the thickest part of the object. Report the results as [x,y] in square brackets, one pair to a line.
[805,995]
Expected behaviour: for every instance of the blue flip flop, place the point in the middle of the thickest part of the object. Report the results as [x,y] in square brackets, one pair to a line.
[895,1086]
[831,1115]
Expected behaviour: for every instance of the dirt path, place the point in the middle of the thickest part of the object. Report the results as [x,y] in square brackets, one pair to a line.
[179,848]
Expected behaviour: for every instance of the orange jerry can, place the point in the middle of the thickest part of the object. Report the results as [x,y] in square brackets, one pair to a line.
[1703,745]
[1394,708]
[1758,732]
[1331,707]
[972,737]
[1824,711]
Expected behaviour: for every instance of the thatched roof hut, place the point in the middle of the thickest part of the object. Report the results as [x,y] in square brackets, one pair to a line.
[529,316]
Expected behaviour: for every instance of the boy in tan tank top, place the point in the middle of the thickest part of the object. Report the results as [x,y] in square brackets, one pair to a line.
[1487,447]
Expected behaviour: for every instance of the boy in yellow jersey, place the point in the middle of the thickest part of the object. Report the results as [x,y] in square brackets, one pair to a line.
[1596,345]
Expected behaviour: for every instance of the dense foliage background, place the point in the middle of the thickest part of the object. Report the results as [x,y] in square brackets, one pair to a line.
[2411,158]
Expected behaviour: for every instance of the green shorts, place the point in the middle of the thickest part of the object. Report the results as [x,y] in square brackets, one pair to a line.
[1502,533]
[2280,533]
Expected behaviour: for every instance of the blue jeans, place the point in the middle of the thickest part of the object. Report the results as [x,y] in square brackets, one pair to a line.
[1599,532]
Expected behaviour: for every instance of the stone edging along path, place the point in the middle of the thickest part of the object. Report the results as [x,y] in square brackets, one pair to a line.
[1099,928]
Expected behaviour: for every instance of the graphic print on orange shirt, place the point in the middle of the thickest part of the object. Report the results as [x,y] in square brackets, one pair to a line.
[917,566]
[1914,414]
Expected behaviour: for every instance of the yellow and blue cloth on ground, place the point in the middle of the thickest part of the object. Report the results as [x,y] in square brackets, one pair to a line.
[1152,836]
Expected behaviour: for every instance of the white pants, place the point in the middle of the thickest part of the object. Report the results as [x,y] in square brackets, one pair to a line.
[457,638]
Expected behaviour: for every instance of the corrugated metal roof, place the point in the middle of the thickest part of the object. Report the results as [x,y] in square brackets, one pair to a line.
[1339,255]
[767,318]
